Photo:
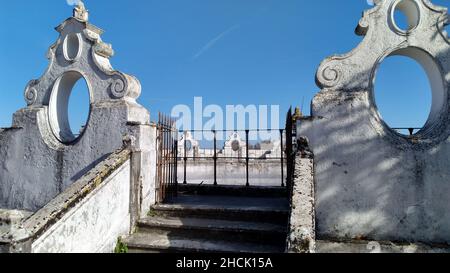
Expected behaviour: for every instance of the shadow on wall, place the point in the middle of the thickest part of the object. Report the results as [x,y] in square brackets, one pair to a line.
[371,182]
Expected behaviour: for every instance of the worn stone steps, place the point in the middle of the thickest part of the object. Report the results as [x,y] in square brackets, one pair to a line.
[253,232]
[205,212]
[161,243]
[214,223]
[262,210]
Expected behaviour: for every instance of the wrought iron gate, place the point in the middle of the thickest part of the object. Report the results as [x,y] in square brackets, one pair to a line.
[168,156]
[290,153]
[167,159]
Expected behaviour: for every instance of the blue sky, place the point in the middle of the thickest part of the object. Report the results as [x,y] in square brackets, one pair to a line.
[227,51]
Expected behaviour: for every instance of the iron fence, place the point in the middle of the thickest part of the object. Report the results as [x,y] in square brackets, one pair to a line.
[238,149]
[410,130]
[167,147]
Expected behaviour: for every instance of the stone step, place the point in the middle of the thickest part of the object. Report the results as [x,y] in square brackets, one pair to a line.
[213,212]
[223,190]
[239,231]
[163,243]
[261,210]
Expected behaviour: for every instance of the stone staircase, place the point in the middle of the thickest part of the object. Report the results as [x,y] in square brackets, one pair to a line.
[208,219]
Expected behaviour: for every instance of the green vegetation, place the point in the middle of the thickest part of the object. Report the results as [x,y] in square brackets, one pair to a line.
[152,213]
[121,247]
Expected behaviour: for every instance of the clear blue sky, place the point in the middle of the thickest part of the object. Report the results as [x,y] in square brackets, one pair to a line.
[227,51]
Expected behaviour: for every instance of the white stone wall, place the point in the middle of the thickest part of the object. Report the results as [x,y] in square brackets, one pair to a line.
[148,169]
[95,224]
[302,226]
[39,157]
[372,182]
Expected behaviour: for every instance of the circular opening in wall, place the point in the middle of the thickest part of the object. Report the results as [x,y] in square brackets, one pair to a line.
[409,91]
[72,46]
[69,107]
[188,145]
[235,146]
[406,15]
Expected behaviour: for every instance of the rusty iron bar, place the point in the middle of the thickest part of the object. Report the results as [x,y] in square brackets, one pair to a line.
[169,161]
[164,155]
[174,159]
[167,158]
[185,158]
[282,158]
[290,157]
[159,159]
[410,130]
[175,153]
[247,158]
[162,160]
[215,157]
[157,163]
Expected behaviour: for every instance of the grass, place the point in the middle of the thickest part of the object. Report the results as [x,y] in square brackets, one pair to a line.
[121,247]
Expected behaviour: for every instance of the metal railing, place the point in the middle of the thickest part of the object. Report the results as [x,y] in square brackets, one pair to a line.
[239,154]
[411,130]
[167,147]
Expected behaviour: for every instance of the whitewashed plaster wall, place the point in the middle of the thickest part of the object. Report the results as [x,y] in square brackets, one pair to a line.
[39,156]
[301,229]
[95,224]
[88,217]
[372,182]
[148,169]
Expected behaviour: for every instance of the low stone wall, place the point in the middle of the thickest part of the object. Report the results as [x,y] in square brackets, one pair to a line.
[95,224]
[88,217]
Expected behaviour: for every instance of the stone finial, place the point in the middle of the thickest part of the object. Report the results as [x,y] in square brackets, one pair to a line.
[80,12]
[297,115]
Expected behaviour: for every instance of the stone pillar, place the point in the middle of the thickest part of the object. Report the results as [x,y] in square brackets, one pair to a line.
[10,222]
[302,234]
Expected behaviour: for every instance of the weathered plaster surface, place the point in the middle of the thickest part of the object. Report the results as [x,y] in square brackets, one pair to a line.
[88,217]
[37,160]
[10,220]
[302,227]
[148,168]
[377,247]
[372,182]
[95,223]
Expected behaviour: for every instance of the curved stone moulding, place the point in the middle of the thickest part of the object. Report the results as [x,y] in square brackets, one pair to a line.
[59,103]
[381,39]
[81,48]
